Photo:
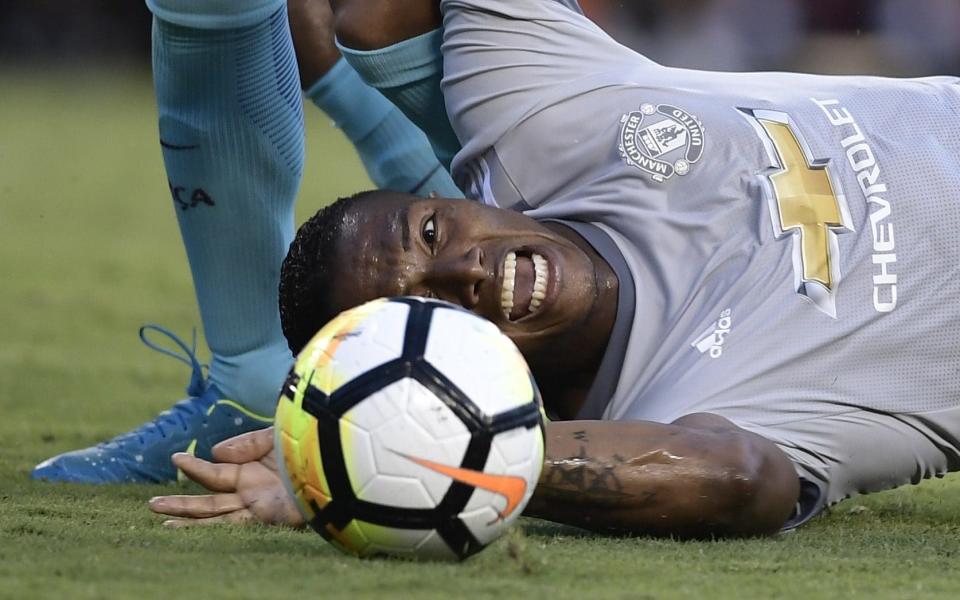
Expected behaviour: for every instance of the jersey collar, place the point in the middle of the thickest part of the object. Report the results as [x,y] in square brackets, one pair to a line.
[608,374]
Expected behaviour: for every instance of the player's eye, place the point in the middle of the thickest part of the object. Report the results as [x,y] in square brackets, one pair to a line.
[429,231]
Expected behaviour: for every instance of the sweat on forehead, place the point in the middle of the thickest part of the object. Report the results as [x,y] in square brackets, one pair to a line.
[384,216]
[374,239]
[319,261]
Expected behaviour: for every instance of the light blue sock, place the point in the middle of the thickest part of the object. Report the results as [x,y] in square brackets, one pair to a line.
[396,154]
[409,74]
[231,130]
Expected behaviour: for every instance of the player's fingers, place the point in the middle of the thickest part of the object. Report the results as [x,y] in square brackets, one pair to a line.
[239,517]
[214,477]
[246,447]
[196,507]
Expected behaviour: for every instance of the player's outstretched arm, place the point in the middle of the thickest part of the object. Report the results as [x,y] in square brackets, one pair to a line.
[699,476]
[246,483]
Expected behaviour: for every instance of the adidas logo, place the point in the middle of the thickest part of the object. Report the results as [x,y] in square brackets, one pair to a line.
[713,338]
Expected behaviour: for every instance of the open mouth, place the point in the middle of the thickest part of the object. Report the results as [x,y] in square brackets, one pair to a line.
[524,284]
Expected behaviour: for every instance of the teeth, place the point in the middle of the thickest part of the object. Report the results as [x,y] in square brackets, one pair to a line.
[541,269]
[539,283]
[509,281]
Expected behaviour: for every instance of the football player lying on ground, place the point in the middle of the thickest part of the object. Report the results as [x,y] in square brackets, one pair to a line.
[738,288]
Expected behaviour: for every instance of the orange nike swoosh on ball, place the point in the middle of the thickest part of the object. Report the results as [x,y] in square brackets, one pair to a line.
[510,487]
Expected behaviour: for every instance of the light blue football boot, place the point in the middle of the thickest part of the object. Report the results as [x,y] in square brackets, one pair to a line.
[192,425]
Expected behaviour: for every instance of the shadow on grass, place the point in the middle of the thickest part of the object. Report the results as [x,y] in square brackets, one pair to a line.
[547,529]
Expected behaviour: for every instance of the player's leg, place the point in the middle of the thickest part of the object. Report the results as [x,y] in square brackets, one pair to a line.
[396,154]
[395,47]
[231,132]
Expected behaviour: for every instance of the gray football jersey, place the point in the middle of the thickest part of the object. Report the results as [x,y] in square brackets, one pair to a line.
[790,240]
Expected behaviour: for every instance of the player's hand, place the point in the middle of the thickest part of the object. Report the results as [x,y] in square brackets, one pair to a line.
[246,483]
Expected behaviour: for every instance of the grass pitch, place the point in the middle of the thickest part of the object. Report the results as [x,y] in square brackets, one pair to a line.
[89,250]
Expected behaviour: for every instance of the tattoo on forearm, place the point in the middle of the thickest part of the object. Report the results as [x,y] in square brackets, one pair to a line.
[584,474]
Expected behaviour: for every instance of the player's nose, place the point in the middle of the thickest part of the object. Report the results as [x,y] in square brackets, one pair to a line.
[460,276]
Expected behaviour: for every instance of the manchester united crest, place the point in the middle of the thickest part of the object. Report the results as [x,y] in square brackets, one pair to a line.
[662,140]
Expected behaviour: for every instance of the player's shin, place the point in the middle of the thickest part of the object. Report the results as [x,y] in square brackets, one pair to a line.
[231,132]
[396,154]
[409,74]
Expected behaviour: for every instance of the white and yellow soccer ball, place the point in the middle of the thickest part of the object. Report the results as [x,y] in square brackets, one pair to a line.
[410,427]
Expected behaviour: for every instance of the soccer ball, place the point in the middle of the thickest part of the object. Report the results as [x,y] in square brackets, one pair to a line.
[410,427]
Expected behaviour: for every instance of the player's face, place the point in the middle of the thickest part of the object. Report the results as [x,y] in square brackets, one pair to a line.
[529,279]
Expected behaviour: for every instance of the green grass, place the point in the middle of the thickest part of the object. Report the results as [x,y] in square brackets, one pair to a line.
[89,250]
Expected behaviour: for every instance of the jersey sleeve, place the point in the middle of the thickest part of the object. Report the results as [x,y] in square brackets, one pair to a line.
[506,59]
